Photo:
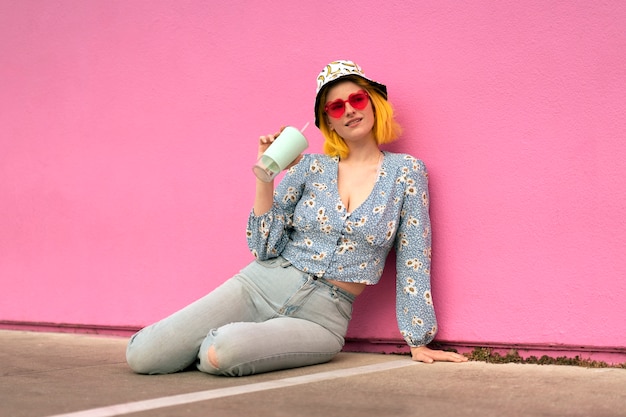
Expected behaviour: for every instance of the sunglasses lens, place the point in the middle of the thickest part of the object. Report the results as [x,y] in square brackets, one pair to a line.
[336,108]
[358,100]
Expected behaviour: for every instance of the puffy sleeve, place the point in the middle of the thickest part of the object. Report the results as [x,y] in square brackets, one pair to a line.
[268,233]
[414,303]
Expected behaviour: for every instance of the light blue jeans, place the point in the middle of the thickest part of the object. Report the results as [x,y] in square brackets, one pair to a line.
[270,316]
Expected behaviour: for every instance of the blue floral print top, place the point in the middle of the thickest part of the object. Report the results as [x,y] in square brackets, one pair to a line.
[310,227]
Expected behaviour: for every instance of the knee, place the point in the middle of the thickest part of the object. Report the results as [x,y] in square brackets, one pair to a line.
[208,359]
[212,356]
[141,360]
[218,356]
[135,359]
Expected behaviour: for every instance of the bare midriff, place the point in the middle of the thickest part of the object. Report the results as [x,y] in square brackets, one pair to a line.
[354,288]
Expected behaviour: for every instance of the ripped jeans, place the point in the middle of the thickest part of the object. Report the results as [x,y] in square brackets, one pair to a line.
[268,317]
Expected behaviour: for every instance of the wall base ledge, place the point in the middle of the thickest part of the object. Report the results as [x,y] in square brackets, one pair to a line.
[609,354]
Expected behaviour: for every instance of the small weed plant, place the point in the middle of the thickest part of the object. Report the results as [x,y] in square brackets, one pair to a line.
[513,356]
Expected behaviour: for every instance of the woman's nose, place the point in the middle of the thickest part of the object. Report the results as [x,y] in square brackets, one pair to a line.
[349,108]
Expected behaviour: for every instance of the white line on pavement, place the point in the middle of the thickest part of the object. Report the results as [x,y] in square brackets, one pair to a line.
[162,402]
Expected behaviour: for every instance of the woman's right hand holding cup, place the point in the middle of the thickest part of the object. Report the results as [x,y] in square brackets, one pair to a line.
[279,151]
[266,140]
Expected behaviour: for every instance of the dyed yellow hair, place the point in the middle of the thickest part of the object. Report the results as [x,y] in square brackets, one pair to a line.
[386,128]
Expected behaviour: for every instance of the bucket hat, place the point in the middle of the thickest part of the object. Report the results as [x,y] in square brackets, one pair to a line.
[335,71]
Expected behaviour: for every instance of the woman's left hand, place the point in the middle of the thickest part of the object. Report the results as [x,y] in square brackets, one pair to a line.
[427,355]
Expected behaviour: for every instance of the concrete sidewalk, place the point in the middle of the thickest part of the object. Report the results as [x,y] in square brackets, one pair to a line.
[46,374]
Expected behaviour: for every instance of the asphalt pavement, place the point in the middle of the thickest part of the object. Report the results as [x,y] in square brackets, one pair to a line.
[77,375]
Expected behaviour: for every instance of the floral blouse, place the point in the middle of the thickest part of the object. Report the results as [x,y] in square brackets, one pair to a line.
[310,227]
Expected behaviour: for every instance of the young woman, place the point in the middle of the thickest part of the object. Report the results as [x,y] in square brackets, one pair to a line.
[319,238]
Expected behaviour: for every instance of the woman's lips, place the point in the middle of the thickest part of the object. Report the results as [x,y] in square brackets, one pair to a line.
[353,122]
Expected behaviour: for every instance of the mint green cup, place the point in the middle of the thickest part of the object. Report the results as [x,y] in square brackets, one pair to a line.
[282,152]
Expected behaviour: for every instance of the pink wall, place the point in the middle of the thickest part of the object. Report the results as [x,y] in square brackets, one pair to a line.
[128,129]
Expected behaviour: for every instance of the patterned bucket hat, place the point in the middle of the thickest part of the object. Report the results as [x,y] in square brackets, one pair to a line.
[337,70]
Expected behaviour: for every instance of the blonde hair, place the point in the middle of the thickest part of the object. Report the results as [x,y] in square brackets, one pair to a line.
[386,128]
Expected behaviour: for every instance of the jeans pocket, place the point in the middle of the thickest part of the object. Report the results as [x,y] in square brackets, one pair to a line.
[271,263]
[344,307]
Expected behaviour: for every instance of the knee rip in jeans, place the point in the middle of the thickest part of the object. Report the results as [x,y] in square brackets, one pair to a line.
[212,357]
